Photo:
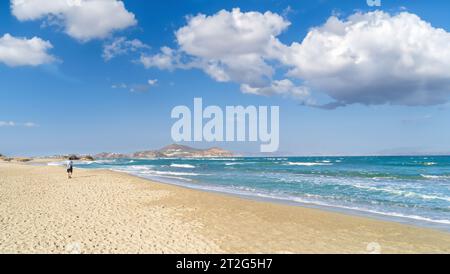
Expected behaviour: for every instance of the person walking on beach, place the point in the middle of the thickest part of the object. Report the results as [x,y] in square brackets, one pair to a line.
[69,169]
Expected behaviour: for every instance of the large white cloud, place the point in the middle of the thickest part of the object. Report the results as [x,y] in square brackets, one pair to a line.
[24,52]
[229,46]
[375,58]
[229,34]
[368,58]
[81,19]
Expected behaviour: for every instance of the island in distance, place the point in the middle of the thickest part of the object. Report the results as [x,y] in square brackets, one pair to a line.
[171,151]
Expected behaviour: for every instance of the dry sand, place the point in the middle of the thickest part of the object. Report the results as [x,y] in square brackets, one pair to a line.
[41,211]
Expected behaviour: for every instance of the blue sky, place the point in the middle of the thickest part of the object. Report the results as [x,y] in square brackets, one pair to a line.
[71,99]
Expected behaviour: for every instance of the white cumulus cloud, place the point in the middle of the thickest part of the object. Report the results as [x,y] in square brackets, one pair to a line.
[17,51]
[83,20]
[375,58]
[368,58]
[230,46]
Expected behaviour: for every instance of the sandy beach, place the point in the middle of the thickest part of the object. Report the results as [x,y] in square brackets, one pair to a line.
[98,211]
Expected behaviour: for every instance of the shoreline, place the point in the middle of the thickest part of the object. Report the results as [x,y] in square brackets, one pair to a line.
[328,208]
[187,221]
[416,221]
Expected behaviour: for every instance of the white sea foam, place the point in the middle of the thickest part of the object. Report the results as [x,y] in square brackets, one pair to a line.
[56,164]
[431,176]
[86,162]
[400,215]
[220,159]
[155,176]
[307,164]
[435,177]
[105,161]
[390,214]
[152,175]
[329,205]
[174,173]
[232,164]
[276,159]
[403,193]
[427,197]
[182,166]
[157,172]
[146,167]
[239,163]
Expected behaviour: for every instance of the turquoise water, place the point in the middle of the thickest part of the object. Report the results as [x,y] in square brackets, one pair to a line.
[407,189]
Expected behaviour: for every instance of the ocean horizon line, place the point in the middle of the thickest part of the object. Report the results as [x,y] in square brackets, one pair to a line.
[241,156]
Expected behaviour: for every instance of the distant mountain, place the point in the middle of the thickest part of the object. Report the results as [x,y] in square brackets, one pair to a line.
[147,154]
[107,155]
[217,152]
[175,150]
[172,151]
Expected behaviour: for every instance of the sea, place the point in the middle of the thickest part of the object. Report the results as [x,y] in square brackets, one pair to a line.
[408,189]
